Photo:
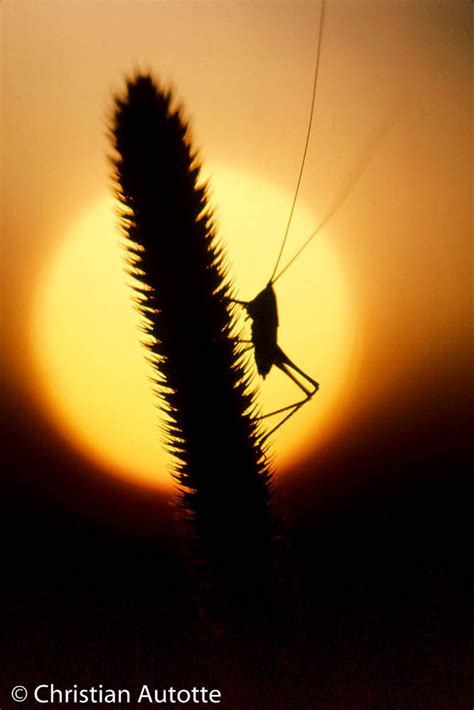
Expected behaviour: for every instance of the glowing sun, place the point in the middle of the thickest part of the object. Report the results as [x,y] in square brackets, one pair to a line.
[86,334]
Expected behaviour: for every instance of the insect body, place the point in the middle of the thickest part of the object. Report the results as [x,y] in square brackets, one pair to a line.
[263,312]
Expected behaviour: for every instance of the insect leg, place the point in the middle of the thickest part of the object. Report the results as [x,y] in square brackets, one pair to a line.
[284,363]
[245,350]
[235,300]
[297,404]
[296,407]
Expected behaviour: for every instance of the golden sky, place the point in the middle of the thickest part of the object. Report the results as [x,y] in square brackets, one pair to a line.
[390,145]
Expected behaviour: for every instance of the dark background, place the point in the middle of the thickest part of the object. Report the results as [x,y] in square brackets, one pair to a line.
[94,590]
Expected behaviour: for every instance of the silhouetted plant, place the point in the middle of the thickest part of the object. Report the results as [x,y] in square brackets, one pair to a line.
[204,389]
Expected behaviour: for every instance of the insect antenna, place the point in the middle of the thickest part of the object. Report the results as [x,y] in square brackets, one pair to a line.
[353,178]
[305,150]
[305,244]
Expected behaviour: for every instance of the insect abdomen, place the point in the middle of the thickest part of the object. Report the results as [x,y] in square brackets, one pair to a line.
[264,314]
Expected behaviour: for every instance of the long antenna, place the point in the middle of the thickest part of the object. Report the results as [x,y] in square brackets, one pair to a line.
[305,244]
[308,133]
[353,177]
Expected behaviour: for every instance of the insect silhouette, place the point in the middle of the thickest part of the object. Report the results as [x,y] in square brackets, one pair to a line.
[263,311]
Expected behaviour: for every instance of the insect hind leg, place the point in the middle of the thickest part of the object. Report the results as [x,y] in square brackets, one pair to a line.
[284,363]
[294,408]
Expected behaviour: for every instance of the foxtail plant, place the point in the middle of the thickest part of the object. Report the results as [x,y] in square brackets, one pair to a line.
[183,292]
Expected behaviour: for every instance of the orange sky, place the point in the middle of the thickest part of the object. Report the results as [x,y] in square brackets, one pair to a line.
[392,108]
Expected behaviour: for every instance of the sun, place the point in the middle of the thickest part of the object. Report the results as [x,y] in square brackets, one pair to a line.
[91,366]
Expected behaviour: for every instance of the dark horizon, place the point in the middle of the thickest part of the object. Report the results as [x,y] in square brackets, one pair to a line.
[381,545]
